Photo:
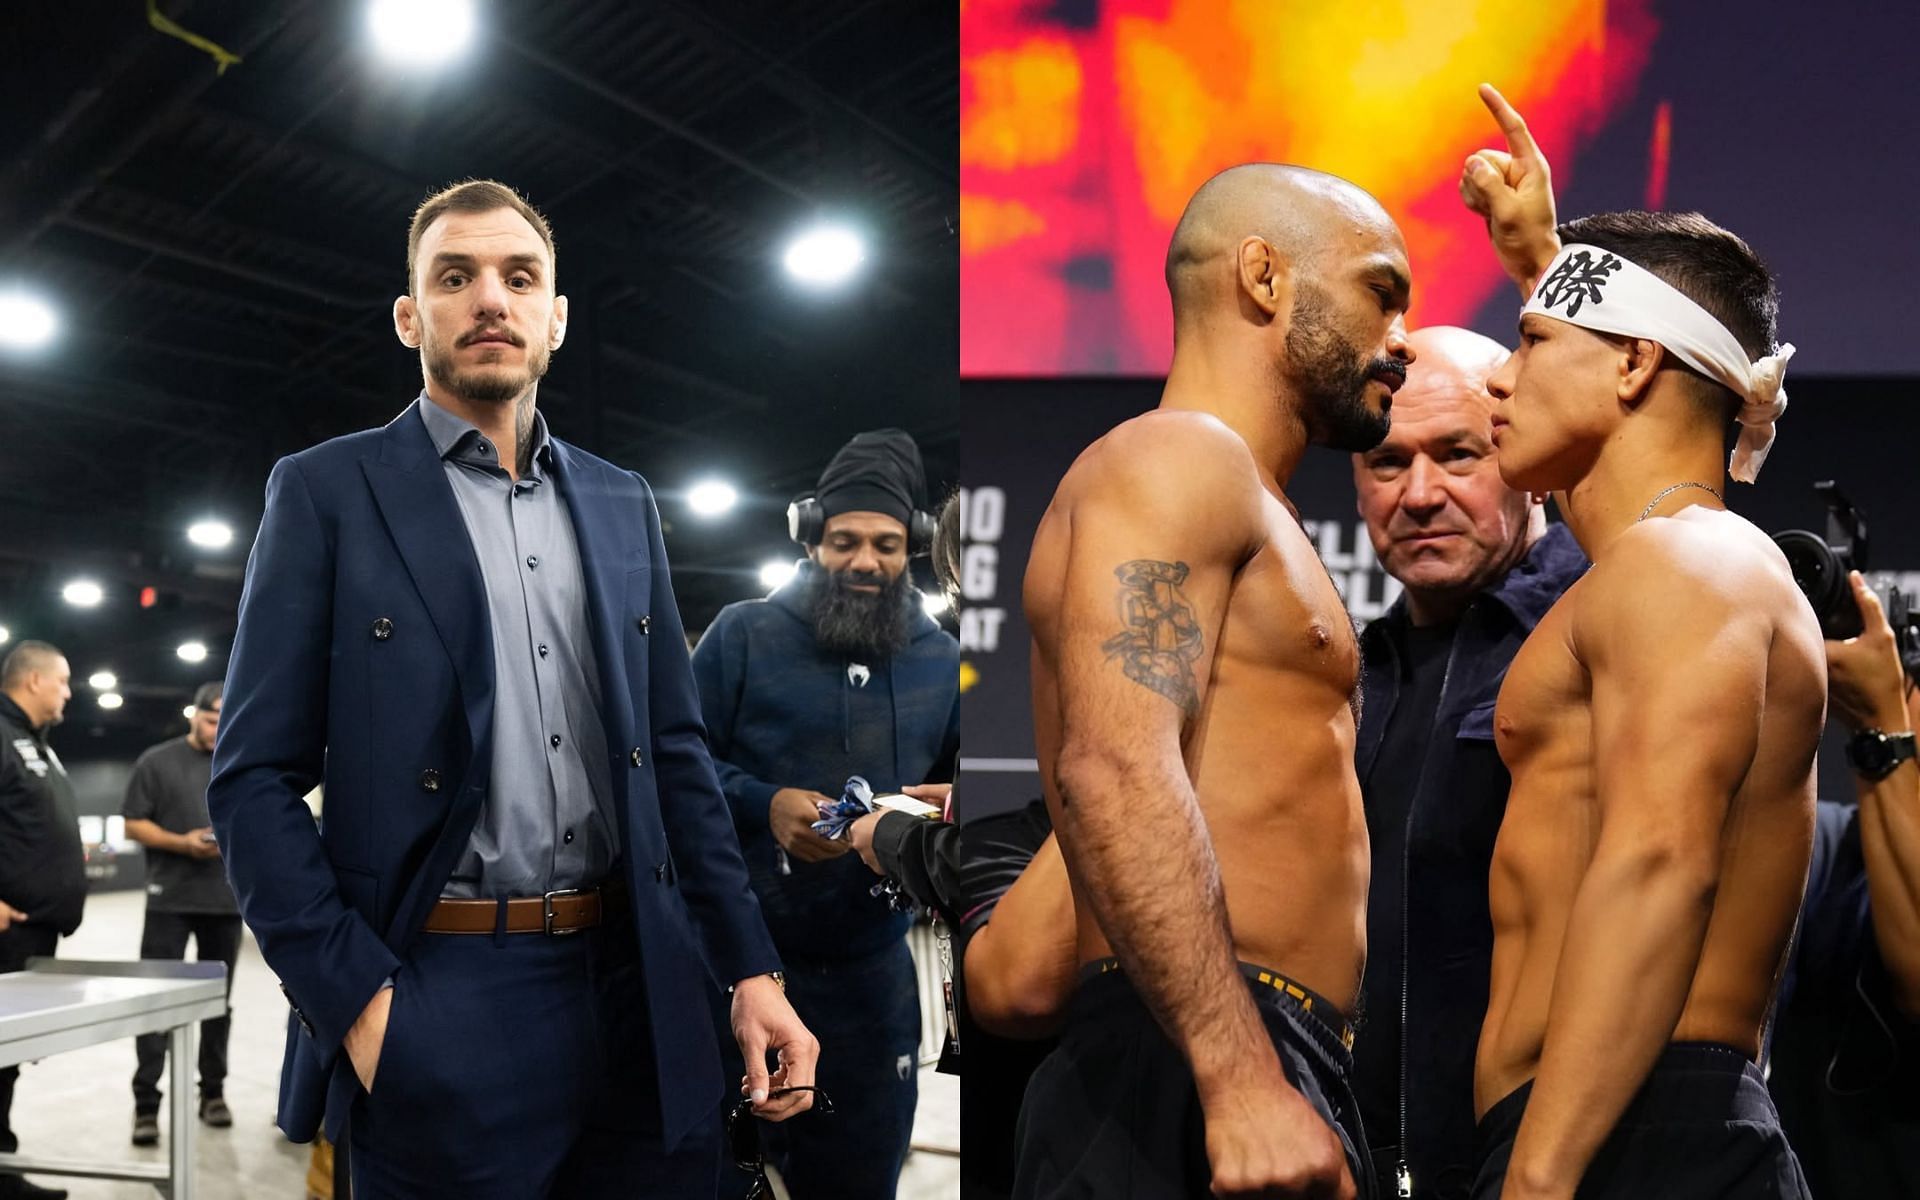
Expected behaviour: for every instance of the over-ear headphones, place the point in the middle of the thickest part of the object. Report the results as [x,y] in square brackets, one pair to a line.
[807,525]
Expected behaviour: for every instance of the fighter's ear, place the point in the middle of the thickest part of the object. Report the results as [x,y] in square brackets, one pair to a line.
[406,322]
[1265,277]
[1639,361]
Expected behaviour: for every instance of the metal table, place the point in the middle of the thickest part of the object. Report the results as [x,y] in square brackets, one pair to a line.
[62,1004]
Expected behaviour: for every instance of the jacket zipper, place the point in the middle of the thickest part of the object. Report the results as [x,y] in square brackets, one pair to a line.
[1403,1176]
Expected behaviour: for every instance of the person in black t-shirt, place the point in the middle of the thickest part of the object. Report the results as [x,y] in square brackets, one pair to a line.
[1479,566]
[187,896]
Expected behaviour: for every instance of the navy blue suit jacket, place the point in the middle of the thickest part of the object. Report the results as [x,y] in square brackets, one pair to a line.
[364,657]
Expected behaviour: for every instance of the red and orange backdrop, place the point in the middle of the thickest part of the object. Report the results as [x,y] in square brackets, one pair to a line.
[1086,124]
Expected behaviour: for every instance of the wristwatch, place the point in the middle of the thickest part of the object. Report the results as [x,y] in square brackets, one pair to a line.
[1873,754]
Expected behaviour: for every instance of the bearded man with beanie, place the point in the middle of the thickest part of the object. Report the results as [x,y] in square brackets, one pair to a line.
[838,673]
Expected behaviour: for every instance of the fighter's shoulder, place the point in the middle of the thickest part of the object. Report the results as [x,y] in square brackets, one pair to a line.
[1717,551]
[1167,457]
[1663,574]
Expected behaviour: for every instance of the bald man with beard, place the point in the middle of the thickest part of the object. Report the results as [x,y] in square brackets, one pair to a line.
[1193,679]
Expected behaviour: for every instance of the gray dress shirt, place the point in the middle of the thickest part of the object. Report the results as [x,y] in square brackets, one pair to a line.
[547,822]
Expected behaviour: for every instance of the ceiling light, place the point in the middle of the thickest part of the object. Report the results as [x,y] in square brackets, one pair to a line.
[775,573]
[5,634]
[192,652]
[421,33]
[103,681]
[187,712]
[111,700]
[712,498]
[26,321]
[211,534]
[82,593]
[934,603]
[825,256]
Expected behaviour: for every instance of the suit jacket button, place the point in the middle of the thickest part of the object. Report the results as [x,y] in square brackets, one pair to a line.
[646,625]
[382,629]
[635,756]
[660,872]
[429,780]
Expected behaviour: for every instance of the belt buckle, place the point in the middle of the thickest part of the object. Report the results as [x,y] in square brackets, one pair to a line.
[547,911]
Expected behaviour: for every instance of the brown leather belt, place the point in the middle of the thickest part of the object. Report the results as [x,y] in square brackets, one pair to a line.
[567,911]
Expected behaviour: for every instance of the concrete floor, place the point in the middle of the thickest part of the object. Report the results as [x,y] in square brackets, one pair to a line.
[80,1105]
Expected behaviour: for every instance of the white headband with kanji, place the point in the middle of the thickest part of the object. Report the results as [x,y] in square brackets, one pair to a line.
[1599,290]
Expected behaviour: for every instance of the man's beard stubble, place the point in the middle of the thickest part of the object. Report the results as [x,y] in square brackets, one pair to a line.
[486,385]
[1332,375]
[863,626]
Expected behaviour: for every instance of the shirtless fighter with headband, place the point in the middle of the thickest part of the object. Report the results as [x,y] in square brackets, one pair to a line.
[1659,723]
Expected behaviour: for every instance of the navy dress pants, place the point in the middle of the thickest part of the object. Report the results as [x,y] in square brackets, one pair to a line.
[518,1065]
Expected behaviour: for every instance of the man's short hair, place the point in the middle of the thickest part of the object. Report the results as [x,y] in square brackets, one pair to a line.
[1709,265]
[24,659]
[208,694]
[474,196]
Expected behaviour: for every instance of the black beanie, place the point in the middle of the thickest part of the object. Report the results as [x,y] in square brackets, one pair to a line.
[878,471]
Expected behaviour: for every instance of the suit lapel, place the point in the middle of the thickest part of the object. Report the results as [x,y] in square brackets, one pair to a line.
[604,564]
[416,501]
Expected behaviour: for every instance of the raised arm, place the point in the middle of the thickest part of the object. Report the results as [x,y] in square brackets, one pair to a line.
[1163,514]
[1658,631]
[1870,691]
[1512,190]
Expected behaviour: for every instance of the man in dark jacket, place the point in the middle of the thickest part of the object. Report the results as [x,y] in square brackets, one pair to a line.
[1479,567]
[43,878]
[840,672]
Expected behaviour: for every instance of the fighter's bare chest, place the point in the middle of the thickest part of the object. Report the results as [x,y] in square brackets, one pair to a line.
[1545,706]
[1286,615]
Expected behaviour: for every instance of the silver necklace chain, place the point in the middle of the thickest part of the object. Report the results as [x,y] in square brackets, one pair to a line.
[1648,510]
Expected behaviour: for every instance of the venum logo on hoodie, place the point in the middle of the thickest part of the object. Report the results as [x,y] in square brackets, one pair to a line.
[857,674]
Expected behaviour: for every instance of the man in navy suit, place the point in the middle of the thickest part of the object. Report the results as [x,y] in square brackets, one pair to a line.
[500,946]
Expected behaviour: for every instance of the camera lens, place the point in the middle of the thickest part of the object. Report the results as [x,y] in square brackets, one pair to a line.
[1823,577]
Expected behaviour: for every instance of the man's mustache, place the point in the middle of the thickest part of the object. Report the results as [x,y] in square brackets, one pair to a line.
[504,335]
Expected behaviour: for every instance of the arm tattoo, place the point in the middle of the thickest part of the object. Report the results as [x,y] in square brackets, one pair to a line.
[1161,639]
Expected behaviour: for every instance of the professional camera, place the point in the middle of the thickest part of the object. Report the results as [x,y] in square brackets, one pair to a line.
[1820,566]
[1906,629]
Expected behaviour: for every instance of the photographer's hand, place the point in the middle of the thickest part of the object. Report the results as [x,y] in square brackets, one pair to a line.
[1869,690]
[1865,683]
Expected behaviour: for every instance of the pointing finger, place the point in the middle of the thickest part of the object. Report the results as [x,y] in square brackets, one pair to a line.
[1519,140]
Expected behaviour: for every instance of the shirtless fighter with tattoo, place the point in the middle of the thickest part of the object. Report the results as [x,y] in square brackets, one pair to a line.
[1192,676]
[1659,723]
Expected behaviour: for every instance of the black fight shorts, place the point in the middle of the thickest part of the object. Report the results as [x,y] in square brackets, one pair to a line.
[1702,1127]
[1112,1113]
